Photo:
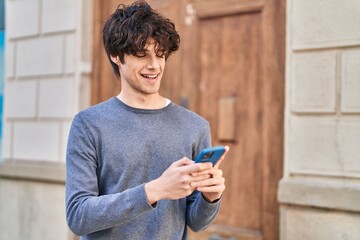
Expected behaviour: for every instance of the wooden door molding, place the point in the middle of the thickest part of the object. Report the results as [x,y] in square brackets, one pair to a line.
[211,8]
[274,101]
[104,83]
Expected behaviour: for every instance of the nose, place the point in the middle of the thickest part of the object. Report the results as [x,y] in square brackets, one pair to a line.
[153,62]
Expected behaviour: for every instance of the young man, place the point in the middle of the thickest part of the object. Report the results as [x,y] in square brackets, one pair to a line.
[129,168]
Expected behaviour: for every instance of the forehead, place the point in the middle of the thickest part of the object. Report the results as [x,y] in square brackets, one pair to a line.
[150,44]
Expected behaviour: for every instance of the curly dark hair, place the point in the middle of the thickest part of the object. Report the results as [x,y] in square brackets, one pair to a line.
[129,28]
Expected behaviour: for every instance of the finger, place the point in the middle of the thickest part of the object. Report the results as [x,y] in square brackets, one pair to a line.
[202,172]
[201,177]
[227,148]
[189,169]
[208,182]
[217,174]
[212,189]
[212,171]
[183,161]
[211,182]
[222,157]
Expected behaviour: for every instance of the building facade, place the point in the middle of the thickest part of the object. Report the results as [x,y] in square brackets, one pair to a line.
[48,66]
[320,190]
[48,79]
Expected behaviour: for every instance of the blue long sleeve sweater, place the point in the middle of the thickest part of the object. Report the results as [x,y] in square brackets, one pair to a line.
[113,150]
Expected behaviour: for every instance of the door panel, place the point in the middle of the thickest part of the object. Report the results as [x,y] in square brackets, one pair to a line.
[236,51]
[230,70]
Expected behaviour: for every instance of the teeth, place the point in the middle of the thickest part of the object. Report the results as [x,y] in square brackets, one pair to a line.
[149,76]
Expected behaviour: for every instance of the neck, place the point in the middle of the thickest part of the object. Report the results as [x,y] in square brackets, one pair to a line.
[151,101]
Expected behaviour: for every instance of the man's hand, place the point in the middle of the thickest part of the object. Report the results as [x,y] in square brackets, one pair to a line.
[176,181]
[212,185]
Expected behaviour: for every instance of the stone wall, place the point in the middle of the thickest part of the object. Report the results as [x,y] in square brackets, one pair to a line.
[48,65]
[320,191]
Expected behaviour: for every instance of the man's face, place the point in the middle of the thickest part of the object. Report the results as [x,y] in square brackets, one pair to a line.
[142,74]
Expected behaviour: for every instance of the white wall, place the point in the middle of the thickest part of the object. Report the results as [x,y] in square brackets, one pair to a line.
[322,157]
[48,66]
[47,76]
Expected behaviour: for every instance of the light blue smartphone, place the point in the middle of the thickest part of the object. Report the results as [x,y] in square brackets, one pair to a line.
[211,154]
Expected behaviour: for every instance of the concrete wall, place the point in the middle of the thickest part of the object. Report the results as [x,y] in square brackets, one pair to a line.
[320,191]
[48,65]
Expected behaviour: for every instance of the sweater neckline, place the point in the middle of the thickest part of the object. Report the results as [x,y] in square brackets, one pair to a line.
[140,110]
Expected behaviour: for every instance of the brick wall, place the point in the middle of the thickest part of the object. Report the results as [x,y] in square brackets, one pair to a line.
[320,190]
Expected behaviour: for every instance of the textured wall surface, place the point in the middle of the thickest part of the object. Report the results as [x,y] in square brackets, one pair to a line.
[47,77]
[48,66]
[319,193]
[32,210]
[320,224]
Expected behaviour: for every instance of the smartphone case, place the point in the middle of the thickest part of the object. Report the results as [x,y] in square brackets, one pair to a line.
[211,154]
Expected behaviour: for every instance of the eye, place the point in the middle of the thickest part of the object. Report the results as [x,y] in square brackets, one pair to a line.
[161,54]
[141,54]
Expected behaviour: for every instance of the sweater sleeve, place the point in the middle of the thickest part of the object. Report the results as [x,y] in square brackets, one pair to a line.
[86,210]
[200,213]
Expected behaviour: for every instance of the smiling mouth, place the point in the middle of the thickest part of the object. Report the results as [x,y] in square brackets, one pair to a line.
[150,76]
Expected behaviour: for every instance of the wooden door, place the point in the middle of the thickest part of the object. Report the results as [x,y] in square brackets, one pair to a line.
[236,52]
[230,69]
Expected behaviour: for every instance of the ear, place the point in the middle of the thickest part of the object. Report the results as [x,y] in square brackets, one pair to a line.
[115,59]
